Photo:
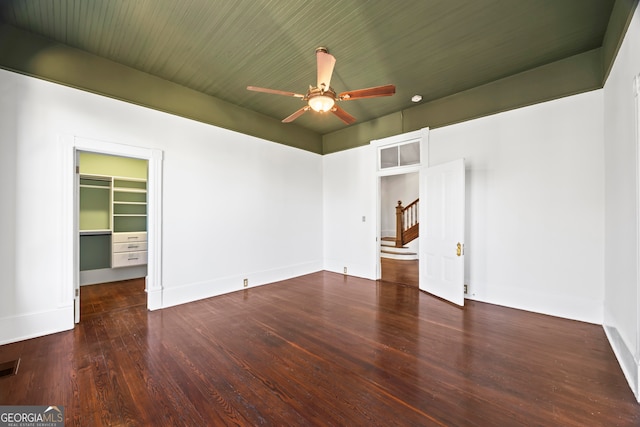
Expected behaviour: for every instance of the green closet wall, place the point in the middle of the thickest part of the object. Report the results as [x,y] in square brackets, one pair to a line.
[103,164]
[94,204]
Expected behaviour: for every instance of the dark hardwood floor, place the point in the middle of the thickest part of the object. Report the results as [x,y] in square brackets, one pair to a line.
[399,271]
[322,349]
[111,297]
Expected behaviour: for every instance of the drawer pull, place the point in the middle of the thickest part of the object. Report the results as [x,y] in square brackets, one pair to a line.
[133,246]
[132,259]
[133,237]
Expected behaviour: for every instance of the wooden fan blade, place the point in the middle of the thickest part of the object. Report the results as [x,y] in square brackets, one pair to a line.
[296,114]
[274,91]
[343,115]
[371,92]
[326,63]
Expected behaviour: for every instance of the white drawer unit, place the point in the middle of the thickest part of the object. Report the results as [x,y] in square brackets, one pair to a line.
[127,259]
[138,236]
[129,249]
[129,246]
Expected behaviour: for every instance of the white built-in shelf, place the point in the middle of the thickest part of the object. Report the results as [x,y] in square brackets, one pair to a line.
[129,190]
[95,232]
[95,181]
[98,187]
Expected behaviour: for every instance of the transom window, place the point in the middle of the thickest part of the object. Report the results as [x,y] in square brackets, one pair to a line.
[404,154]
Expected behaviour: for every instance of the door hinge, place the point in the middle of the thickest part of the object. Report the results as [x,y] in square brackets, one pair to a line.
[77,169]
[77,293]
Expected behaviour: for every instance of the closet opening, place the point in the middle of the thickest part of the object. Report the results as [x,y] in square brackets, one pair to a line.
[112,219]
[112,232]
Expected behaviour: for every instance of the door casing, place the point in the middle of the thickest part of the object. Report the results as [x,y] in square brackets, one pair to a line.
[421,135]
[70,145]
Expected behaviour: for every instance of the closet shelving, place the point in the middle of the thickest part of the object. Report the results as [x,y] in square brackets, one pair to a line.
[129,205]
[113,221]
[129,223]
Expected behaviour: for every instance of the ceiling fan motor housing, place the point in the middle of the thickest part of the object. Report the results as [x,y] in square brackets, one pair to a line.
[321,100]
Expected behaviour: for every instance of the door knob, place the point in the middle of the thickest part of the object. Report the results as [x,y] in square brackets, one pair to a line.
[459,249]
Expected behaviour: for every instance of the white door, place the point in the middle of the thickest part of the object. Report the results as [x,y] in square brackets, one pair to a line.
[442,231]
[76,227]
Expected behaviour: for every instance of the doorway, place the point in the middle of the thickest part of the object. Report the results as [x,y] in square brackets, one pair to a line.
[441,215]
[112,231]
[70,227]
[398,260]
[398,163]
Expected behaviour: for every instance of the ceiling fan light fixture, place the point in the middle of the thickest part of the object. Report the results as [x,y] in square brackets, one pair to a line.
[321,103]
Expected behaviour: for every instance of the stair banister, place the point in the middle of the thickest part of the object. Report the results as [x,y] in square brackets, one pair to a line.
[407,226]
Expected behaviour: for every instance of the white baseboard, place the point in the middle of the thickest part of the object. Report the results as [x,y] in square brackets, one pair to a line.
[154,299]
[190,292]
[353,269]
[630,366]
[105,275]
[32,325]
[574,307]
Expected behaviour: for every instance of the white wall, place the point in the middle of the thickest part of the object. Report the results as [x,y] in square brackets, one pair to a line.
[403,187]
[234,206]
[8,197]
[621,309]
[535,206]
[535,218]
[349,190]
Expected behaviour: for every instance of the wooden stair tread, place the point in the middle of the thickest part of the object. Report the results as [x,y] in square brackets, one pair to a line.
[397,252]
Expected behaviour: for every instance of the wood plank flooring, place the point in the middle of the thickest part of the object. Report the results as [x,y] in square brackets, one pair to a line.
[399,271]
[110,297]
[322,350]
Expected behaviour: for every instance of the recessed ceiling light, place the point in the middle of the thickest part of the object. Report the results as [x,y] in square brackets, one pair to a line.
[416,98]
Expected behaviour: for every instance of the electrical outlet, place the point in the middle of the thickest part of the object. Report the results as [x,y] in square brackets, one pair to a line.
[245,282]
[466,289]
[345,270]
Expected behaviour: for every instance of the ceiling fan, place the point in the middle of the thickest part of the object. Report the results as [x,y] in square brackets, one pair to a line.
[322,98]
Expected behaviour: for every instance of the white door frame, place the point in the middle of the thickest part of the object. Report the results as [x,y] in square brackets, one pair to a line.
[423,136]
[636,93]
[70,229]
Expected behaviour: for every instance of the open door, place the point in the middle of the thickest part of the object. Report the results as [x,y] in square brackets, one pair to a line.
[76,252]
[442,231]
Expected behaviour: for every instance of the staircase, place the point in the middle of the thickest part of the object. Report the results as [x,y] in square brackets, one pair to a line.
[389,250]
[407,229]
[407,226]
